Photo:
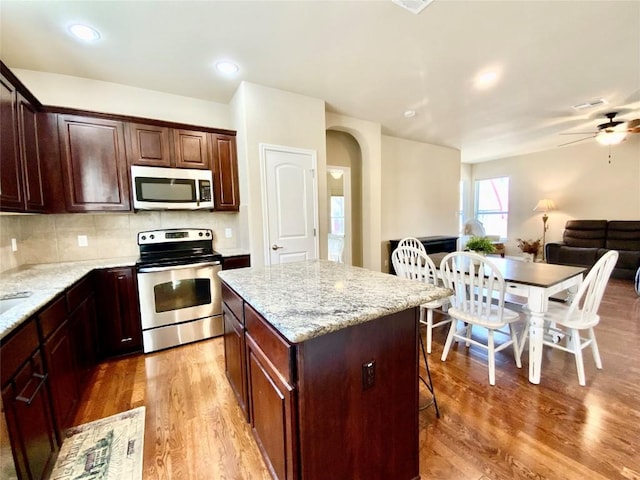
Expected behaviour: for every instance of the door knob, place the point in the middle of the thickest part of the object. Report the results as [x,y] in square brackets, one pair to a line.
[275,247]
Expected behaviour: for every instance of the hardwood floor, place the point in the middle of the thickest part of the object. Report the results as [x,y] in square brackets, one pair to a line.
[513,430]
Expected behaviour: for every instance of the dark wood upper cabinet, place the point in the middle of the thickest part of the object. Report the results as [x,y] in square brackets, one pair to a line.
[11,194]
[149,145]
[160,146]
[224,164]
[191,149]
[28,128]
[21,181]
[94,164]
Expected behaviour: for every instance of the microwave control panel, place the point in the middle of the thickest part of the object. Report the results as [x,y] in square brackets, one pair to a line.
[205,191]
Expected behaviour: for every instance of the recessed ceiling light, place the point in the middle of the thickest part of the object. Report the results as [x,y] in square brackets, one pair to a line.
[486,79]
[227,67]
[414,6]
[409,113]
[84,32]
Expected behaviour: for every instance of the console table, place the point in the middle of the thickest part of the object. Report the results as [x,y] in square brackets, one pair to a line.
[433,244]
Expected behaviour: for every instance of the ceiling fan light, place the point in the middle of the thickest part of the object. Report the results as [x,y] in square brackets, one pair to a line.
[610,138]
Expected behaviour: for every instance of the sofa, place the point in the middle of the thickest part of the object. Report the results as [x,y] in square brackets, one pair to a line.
[585,241]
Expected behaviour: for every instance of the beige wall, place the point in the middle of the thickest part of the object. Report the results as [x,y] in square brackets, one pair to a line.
[54,238]
[578,178]
[85,94]
[9,228]
[275,117]
[420,193]
[343,151]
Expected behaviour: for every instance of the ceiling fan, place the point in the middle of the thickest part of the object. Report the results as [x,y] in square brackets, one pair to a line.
[609,133]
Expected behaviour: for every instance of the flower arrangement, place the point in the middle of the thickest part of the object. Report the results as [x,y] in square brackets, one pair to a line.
[480,244]
[529,246]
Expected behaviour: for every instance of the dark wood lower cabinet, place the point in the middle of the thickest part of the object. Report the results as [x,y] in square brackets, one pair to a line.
[63,377]
[82,325]
[235,360]
[46,363]
[27,409]
[341,405]
[119,327]
[273,414]
[236,261]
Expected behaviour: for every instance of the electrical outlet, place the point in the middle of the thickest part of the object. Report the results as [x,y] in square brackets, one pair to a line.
[14,245]
[83,241]
[228,233]
[368,374]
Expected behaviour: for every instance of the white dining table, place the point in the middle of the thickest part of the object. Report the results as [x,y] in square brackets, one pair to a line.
[537,282]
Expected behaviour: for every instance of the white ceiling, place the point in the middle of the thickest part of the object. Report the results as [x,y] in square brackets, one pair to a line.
[367,59]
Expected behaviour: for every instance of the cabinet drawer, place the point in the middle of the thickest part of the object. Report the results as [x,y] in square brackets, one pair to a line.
[275,348]
[18,349]
[237,261]
[53,316]
[79,292]
[233,301]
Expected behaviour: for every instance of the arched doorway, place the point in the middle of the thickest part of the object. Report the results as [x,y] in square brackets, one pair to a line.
[344,154]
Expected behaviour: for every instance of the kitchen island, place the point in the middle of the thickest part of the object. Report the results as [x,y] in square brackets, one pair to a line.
[323,359]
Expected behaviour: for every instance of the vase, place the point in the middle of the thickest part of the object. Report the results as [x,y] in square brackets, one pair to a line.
[528,257]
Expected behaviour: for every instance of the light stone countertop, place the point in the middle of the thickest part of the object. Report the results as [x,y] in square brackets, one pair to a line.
[304,300]
[45,282]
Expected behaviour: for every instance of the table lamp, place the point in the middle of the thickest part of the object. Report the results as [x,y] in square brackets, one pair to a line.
[544,205]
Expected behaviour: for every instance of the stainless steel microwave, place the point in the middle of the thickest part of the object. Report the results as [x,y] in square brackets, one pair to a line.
[159,188]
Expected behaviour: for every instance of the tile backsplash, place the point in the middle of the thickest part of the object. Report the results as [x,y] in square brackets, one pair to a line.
[54,238]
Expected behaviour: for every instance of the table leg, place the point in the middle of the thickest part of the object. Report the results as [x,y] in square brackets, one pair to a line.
[537,307]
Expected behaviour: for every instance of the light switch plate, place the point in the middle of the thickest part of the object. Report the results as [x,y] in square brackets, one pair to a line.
[228,233]
[83,241]
[14,245]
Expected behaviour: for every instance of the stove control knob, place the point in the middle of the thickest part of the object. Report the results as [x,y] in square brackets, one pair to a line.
[208,234]
[144,237]
[199,234]
[152,236]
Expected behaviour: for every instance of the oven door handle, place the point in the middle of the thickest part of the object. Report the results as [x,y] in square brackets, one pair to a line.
[178,267]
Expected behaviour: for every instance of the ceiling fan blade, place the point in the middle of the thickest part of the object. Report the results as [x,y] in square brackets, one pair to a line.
[633,126]
[578,133]
[576,141]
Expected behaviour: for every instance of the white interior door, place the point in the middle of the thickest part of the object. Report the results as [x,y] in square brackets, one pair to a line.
[290,207]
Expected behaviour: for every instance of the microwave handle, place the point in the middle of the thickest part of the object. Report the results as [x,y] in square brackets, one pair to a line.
[177,267]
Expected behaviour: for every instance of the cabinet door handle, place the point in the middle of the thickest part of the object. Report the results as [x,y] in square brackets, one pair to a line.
[28,400]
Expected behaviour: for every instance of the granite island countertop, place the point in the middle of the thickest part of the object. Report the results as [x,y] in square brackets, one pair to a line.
[44,282]
[304,300]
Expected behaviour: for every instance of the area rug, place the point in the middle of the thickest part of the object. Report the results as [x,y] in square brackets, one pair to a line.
[107,449]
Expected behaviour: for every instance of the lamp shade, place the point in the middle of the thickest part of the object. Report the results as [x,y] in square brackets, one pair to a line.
[544,205]
[611,137]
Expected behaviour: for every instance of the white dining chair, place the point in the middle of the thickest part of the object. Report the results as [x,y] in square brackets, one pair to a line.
[412,242]
[420,267]
[413,264]
[567,321]
[478,301]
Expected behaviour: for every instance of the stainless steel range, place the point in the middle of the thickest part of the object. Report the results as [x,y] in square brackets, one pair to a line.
[178,287]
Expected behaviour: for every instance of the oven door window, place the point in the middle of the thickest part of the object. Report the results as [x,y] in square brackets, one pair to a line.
[179,294]
[171,190]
